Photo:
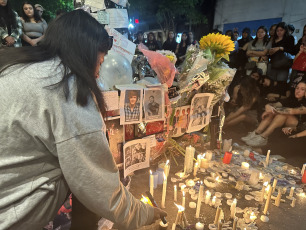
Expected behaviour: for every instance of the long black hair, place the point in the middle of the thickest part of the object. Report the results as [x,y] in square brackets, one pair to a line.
[37,18]
[265,39]
[76,38]
[7,17]
[285,27]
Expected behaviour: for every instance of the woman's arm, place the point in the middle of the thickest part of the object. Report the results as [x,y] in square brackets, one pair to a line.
[300,134]
[253,53]
[238,112]
[28,40]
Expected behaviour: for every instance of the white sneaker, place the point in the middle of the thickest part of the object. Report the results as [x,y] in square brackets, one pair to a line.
[250,136]
[257,141]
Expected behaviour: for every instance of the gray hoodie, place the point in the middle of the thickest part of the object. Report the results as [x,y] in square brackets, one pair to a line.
[49,145]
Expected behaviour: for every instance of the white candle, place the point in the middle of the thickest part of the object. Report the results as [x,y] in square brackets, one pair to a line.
[274,185]
[291,192]
[195,169]
[218,212]
[245,165]
[167,168]
[199,226]
[235,223]
[278,198]
[151,183]
[233,208]
[164,192]
[263,191]
[220,225]
[207,198]
[213,201]
[175,193]
[199,200]
[183,187]
[183,200]
[293,202]
[202,161]
[268,200]
[268,157]
[188,164]
[178,216]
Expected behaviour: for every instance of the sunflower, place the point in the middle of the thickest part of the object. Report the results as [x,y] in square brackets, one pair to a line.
[220,45]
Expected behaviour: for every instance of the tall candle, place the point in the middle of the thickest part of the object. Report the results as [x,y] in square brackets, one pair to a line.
[217,217]
[164,192]
[291,192]
[151,183]
[179,215]
[268,158]
[199,200]
[233,208]
[167,168]
[278,198]
[207,198]
[268,200]
[183,200]
[195,169]
[235,223]
[175,193]
[274,185]
[188,164]
[220,225]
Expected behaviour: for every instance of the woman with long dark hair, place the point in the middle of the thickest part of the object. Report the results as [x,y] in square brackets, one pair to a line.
[54,137]
[10,26]
[182,48]
[282,48]
[170,43]
[34,27]
[258,48]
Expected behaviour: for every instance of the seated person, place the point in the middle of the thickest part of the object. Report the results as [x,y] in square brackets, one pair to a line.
[244,103]
[276,116]
[271,90]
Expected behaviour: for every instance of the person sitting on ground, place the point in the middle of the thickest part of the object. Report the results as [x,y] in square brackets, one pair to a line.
[273,91]
[277,115]
[34,27]
[245,104]
[10,26]
[170,43]
[152,43]
[257,49]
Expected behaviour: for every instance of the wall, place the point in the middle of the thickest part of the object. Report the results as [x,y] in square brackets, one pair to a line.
[237,11]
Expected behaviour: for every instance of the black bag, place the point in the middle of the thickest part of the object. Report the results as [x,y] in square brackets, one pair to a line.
[281,60]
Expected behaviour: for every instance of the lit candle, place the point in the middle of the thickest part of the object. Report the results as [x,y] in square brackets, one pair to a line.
[235,223]
[268,157]
[268,200]
[199,159]
[207,198]
[218,212]
[199,200]
[151,183]
[188,164]
[213,201]
[183,187]
[291,192]
[233,208]
[293,202]
[220,225]
[263,191]
[278,198]
[179,215]
[261,176]
[183,199]
[167,168]
[175,193]
[199,226]
[195,169]
[252,217]
[164,192]
[274,185]
[245,165]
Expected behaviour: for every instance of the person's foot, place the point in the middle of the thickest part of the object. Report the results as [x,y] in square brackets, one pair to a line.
[250,136]
[257,141]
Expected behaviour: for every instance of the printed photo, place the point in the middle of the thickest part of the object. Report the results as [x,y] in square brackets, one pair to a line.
[131,106]
[154,104]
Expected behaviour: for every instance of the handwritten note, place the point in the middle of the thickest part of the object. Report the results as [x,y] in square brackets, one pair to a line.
[111,100]
[118,18]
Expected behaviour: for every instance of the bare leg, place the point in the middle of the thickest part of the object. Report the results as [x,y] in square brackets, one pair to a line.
[291,121]
[235,120]
[278,121]
[264,123]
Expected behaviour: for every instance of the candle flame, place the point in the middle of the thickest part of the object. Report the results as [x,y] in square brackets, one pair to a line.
[207,192]
[151,172]
[235,201]
[214,198]
[167,162]
[265,184]
[144,199]
[268,188]
[196,164]
[217,178]
[174,186]
[180,208]
[183,187]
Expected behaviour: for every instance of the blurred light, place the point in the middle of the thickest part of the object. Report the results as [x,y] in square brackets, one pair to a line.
[131,26]
[136,21]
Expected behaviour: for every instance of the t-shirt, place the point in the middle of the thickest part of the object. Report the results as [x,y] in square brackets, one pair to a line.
[259,46]
[34,29]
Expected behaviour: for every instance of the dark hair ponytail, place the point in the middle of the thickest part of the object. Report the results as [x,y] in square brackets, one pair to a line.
[76,38]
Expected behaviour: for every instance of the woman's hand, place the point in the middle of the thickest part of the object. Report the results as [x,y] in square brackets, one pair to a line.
[287,130]
[10,41]
[265,114]
[34,42]
[269,108]
[158,214]
[293,136]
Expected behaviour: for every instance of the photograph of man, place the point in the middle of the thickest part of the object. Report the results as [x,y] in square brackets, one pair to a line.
[132,105]
[176,121]
[153,107]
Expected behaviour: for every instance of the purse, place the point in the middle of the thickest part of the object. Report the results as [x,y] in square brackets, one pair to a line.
[281,60]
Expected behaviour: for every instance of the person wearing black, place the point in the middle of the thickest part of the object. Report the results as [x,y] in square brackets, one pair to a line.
[182,48]
[170,43]
[246,37]
[152,44]
[139,38]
